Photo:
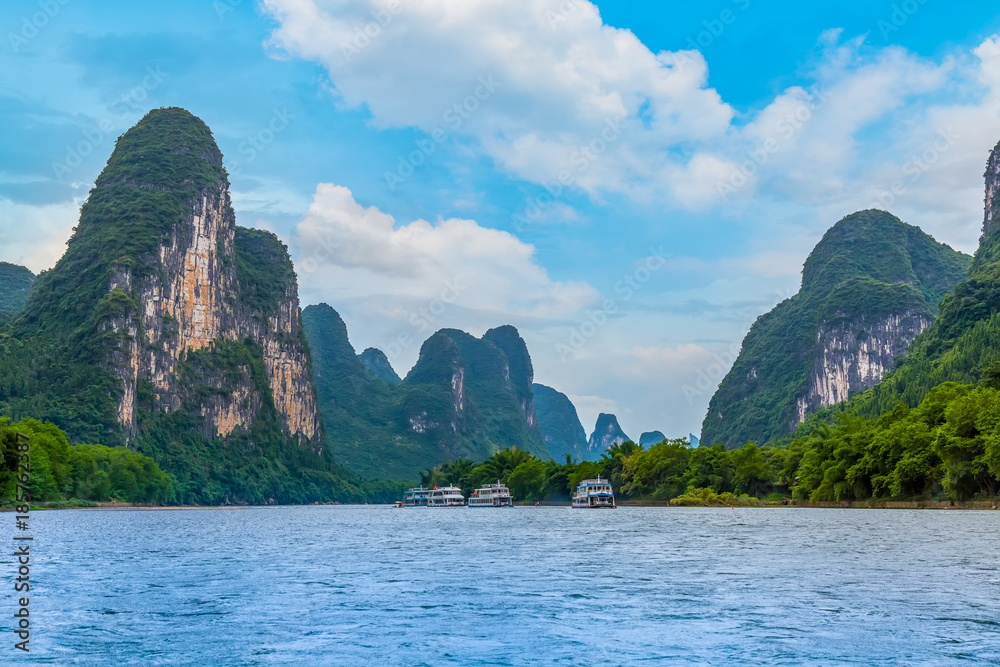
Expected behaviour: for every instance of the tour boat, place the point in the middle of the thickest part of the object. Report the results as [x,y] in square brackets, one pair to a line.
[491,495]
[594,493]
[416,497]
[448,496]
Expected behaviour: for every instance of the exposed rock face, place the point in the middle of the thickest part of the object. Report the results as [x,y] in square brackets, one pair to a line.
[607,433]
[376,361]
[854,356]
[992,207]
[194,298]
[521,373]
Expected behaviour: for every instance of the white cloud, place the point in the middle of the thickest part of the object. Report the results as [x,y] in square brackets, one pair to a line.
[563,75]
[565,92]
[348,251]
[36,236]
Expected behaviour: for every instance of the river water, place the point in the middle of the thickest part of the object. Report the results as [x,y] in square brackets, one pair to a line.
[373,585]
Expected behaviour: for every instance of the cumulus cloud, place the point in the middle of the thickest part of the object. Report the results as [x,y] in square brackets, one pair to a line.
[36,236]
[348,251]
[576,99]
[544,86]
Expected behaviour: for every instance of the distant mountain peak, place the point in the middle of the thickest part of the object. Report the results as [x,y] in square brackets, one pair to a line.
[607,433]
[375,360]
[651,438]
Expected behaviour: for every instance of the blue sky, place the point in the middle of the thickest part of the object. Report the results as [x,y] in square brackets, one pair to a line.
[724,138]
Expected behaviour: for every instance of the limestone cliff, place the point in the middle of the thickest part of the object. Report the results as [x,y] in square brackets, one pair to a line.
[852,356]
[185,304]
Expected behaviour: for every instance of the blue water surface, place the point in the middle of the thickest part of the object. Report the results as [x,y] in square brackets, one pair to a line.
[374,585]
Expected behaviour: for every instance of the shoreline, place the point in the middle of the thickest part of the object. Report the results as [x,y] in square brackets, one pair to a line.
[976,505]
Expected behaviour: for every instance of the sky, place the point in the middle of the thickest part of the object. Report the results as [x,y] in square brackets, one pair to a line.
[630,184]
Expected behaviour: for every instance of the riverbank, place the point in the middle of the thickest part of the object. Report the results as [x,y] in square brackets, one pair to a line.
[993,504]
[844,504]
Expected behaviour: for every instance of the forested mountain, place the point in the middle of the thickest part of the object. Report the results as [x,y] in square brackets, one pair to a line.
[465,397]
[870,286]
[167,328]
[376,361]
[559,424]
[15,282]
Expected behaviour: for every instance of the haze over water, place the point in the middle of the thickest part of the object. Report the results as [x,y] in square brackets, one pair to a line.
[549,585]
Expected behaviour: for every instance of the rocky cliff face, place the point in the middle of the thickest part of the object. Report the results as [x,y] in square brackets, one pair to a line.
[520,371]
[992,201]
[206,287]
[852,356]
[607,433]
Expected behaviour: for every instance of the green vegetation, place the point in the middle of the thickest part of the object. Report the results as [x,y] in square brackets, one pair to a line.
[60,471]
[56,357]
[946,448]
[15,283]
[868,266]
[559,423]
[262,268]
[384,430]
[375,361]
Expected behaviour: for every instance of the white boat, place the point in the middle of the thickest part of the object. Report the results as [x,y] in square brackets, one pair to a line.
[416,497]
[447,496]
[594,493]
[491,495]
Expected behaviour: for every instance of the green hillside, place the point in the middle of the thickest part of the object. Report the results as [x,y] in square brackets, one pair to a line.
[15,283]
[463,398]
[559,424]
